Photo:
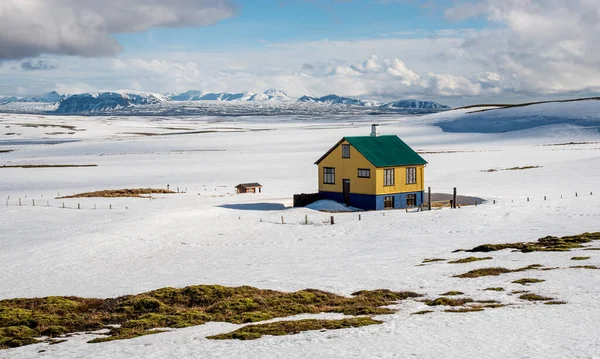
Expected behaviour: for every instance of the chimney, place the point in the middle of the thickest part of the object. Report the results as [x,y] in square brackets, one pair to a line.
[374,130]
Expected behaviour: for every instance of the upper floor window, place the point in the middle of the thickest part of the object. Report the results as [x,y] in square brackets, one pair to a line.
[364,173]
[388,177]
[345,151]
[328,175]
[411,175]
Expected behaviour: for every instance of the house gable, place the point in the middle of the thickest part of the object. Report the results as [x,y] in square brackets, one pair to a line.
[381,151]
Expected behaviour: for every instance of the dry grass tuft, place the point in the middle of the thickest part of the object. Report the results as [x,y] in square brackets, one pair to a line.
[555,302]
[495,271]
[470,259]
[584,267]
[526,281]
[452,292]
[432,260]
[251,332]
[534,297]
[133,192]
[451,302]
[580,258]
[422,312]
[464,310]
[546,244]
[496,289]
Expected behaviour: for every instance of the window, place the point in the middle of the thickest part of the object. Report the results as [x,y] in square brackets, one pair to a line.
[411,200]
[364,173]
[345,151]
[388,202]
[388,178]
[328,175]
[411,175]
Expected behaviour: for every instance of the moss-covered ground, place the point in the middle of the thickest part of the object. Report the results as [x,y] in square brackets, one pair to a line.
[24,320]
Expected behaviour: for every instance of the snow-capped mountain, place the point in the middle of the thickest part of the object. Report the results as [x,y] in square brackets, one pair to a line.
[50,97]
[338,100]
[416,104]
[271,95]
[106,101]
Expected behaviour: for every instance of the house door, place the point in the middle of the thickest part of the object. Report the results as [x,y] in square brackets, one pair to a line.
[346,184]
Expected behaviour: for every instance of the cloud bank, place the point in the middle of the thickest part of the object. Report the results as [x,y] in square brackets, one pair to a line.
[29,28]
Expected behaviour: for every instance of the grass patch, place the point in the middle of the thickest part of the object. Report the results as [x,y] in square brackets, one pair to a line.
[495,289]
[584,267]
[46,166]
[422,312]
[133,192]
[251,332]
[534,297]
[36,125]
[555,302]
[591,249]
[453,292]
[451,302]
[6,151]
[495,271]
[580,258]
[546,244]
[464,310]
[23,320]
[519,291]
[470,259]
[432,260]
[526,281]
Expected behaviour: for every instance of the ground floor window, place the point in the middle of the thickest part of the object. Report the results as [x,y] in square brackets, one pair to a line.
[388,202]
[411,200]
[364,173]
[329,175]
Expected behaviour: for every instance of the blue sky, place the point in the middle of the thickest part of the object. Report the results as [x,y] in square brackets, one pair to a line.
[258,22]
[454,51]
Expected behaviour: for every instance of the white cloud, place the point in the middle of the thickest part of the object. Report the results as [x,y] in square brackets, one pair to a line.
[29,28]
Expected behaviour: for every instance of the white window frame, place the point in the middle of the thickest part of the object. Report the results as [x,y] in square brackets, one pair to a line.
[411,175]
[328,175]
[388,177]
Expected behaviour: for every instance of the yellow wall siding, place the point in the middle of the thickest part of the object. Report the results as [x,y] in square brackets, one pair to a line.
[400,180]
[347,168]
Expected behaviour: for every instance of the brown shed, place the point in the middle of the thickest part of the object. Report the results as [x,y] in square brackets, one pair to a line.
[249,188]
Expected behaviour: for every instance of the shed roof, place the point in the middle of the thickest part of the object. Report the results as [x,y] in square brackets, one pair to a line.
[247,185]
[382,151]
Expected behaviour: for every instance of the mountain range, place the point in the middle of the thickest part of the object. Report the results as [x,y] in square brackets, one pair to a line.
[107,101]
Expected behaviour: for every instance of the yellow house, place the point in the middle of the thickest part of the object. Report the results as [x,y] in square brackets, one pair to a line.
[372,173]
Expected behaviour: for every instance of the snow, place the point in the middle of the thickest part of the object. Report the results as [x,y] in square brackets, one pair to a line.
[331,206]
[209,235]
[584,113]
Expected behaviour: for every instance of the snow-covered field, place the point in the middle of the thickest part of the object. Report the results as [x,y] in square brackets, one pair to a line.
[208,235]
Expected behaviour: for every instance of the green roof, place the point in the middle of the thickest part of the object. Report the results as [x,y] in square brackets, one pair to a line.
[383,151]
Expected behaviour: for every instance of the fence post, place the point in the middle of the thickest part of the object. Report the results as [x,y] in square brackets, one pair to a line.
[19,201]
[78,206]
[544,198]
[527,199]
[282,222]
[454,198]
[33,202]
[429,194]
[575,194]
[110,206]
[63,204]
[332,220]
[47,203]
[306,219]
[359,217]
